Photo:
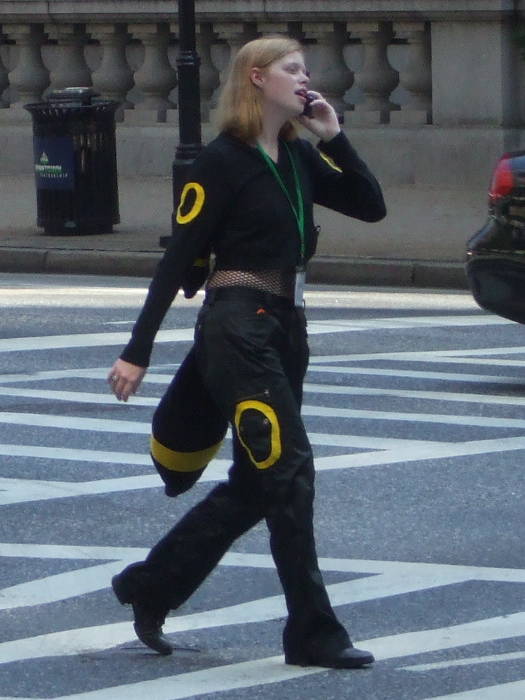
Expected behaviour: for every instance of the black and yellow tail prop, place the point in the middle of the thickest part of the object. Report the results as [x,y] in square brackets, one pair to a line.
[187,430]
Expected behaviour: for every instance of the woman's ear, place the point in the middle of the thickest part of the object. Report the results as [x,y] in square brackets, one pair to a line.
[256,76]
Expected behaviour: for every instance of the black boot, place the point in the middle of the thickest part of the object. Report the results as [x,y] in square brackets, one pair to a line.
[349,657]
[148,618]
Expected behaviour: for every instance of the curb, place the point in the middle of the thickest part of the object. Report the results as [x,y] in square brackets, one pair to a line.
[321,270]
[78,262]
[387,273]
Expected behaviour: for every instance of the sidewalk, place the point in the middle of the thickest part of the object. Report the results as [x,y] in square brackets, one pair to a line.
[133,248]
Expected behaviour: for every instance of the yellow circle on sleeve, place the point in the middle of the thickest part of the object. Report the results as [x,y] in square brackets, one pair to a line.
[197,204]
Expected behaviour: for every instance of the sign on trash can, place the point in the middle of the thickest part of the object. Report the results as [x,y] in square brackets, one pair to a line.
[54,163]
[75,162]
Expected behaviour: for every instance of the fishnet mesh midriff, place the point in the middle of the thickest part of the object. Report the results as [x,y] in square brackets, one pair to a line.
[272,281]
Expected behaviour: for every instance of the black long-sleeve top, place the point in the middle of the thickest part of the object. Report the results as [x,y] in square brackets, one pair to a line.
[233,203]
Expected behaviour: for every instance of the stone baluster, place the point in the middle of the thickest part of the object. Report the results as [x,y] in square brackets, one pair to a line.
[172,112]
[30,77]
[232,35]
[330,75]
[113,78]
[209,75]
[236,34]
[71,69]
[220,58]
[416,77]
[376,78]
[156,77]
[4,80]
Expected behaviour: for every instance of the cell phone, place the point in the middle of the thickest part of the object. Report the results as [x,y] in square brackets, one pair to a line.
[307,111]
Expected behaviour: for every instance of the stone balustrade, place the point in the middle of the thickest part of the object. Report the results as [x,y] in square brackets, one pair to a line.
[376,61]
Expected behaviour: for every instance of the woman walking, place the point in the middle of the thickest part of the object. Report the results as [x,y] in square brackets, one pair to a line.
[249,199]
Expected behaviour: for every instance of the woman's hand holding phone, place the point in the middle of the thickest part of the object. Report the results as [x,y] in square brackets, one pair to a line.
[319,117]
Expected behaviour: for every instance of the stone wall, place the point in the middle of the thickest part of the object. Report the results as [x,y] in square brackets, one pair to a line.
[430,91]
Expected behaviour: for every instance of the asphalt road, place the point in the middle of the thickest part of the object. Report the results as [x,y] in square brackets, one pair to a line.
[415,406]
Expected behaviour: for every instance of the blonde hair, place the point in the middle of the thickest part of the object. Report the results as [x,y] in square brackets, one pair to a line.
[239,109]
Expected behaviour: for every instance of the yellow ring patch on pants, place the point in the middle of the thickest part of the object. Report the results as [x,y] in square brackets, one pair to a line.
[259,432]
[195,210]
[182,461]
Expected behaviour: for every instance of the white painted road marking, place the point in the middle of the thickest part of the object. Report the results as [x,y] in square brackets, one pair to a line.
[379,579]
[469,661]
[26,490]
[255,673]
[85,340]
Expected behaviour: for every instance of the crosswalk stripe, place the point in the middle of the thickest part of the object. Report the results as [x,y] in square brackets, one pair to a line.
[137,400]
[85,340]
[398,373]
[26,490]
[444,419]
[74,454]
[413,394]
[136,427]
[424,355]
[98,638]
[256,560]
[384,648]
[75,396]
[110,456]
[314,367]
[103,425]
[468,661]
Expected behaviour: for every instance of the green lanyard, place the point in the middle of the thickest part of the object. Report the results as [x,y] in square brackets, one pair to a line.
[299,210]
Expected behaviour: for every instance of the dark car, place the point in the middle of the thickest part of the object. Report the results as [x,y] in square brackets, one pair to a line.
[495,264]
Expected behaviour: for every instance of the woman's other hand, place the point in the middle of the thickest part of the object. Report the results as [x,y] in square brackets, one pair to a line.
[124,379]
[323,122]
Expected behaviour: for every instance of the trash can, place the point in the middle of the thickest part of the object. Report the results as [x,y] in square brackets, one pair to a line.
[75,162]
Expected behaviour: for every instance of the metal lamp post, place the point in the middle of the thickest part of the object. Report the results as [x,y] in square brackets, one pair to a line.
[190,143]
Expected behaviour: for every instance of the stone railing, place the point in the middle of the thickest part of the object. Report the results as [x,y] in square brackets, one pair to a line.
[432,90]
[383,62]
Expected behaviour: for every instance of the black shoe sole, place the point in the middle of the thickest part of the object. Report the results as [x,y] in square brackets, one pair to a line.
[348,663]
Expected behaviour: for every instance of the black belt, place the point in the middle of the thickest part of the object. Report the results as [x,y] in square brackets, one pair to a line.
[247,294]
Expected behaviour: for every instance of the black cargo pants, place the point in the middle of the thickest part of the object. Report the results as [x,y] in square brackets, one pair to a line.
[251,355]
